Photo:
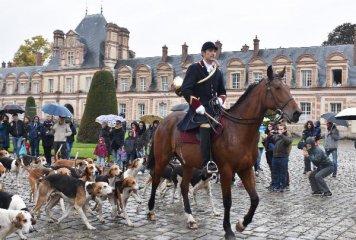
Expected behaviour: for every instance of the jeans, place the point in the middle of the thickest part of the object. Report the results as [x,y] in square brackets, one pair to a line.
[17,141]
[100,161]
[316,179]
[279,172]
[35,147]
[141,154]
[258,161]
[334,154]
[116,157]
[69,149]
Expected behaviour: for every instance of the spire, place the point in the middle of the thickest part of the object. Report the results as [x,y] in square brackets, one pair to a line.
[101,7]
[86,7]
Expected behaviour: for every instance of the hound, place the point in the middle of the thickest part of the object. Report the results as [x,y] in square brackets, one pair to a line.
[13,221]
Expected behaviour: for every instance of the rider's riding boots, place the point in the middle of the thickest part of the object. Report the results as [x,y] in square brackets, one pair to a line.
[205,149]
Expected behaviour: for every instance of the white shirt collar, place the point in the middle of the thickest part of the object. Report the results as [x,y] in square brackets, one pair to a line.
[209,67]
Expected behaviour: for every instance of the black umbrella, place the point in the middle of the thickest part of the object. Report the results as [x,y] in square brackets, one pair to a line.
[330,117]
[11,109]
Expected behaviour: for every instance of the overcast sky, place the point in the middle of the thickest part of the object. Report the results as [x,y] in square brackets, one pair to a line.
[154,23]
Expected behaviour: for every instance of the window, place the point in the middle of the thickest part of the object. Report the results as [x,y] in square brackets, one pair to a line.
[141,110]
[235,80]
[257,76]
[36,88]
[70,58]
[164,83]
[306,111]
[122,108]
[337,77]
[69,85]
[22,88]
[335,107]
[124,85]
[163,109]
[306,78]
[9,89]
[87,83]
[142,83]
[50,85]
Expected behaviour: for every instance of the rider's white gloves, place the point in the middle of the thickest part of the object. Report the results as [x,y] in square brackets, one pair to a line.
[220,102]
[200,110]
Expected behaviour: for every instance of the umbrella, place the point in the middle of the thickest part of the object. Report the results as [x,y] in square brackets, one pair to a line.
[347,114]
[111,118]
[150,118]
[330,117]
[56,110]
[11,108]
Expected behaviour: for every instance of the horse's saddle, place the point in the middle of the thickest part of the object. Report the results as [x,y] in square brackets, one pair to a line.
[180,107]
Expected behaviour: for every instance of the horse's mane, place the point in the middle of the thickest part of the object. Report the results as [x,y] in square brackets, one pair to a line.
[246,94]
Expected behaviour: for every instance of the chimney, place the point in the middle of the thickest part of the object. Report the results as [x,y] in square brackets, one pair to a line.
[3,64]
[256,46]
[218,44]
[245,48]
[184,52]
[58,39]
[38,59]
[9,64]
[355,46]
[164,53]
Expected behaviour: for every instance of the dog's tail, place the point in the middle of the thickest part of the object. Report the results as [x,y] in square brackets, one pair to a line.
[151,158]
[22,165]
[56,158]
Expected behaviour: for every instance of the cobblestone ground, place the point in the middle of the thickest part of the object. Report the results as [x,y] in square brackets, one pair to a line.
[290,215]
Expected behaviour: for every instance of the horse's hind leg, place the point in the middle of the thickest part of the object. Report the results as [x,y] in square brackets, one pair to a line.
[187,176]
[226,179]
[248,179]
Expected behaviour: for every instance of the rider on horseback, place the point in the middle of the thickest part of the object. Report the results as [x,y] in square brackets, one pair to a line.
[202,83]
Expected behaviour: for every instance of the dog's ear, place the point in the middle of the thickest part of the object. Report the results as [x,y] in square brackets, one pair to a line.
[90,188]
[18,220]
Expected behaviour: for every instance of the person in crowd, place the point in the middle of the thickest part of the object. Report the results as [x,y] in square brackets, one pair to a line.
[134,128]
[317,131]
[101,152]
[34,136]
[47,137]
[153,128]
[61,131]
[27,122]
[130,147]
[105,133]
[18,132]
[309,131]
[331,143]
[123,123]
[117,135]
[269,146]
[282,147]
[4,132]
[123,157]
[260,147]
[324,168]
[70,139]
[141,142]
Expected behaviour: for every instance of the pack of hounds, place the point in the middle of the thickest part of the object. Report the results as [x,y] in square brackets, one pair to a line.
[73,184]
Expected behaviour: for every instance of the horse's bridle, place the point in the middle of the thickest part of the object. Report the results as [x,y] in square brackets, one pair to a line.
[252,121]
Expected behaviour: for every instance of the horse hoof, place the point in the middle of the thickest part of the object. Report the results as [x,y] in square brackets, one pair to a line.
[192,225]
[151,216]
[240,227]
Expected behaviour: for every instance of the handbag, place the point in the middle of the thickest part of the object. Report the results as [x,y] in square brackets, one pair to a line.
[23,150]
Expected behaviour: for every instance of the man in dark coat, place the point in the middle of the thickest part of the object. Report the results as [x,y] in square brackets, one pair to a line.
[201,84]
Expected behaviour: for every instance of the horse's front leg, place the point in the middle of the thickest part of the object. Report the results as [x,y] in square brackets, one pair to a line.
[151,203]
[225,180]
[248,180]
[187,176]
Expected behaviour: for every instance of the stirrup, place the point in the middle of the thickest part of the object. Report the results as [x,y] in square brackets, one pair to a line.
[214,164]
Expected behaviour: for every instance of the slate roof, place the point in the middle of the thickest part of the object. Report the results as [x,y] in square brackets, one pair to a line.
[29,71]
[320,53]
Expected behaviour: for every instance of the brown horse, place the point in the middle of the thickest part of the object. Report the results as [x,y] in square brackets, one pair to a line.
[235,150]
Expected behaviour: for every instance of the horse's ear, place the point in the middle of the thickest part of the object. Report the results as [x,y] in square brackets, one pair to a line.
[270,73]
[281,74]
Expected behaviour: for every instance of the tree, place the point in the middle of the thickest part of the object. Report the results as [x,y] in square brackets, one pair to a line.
[26,54]
[30,107]
[101,100]
[342,34]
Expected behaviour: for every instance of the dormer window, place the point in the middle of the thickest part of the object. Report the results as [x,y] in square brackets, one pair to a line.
[142,83]
[164,83]
[22,88]
[337,77]
[70,58]
[306,78]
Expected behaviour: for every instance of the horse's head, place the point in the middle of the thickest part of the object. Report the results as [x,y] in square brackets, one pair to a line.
[279,98]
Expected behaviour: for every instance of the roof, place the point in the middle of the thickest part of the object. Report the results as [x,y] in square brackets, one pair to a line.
[29,71]
[320,53]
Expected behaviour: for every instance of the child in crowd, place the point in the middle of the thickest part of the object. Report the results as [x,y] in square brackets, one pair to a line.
[123,157]
[101,152]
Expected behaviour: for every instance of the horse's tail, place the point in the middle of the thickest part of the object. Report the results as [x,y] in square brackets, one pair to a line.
[151,157]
